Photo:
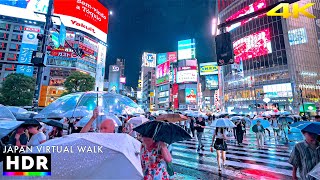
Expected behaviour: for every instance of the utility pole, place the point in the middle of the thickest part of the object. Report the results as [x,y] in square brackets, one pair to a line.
[43,50]
[304,111]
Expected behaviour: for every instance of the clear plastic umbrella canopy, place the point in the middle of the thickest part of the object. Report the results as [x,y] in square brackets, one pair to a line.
[6,114]
[109,103]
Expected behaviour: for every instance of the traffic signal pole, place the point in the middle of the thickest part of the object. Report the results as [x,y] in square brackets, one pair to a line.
[44,51]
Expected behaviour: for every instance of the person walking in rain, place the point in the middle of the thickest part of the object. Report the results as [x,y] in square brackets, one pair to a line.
[218,142]
[259,130]
[200,125]
[240,127]
[305,156]
[106,126]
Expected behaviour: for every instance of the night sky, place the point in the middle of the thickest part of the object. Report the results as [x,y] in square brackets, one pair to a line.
[139,26]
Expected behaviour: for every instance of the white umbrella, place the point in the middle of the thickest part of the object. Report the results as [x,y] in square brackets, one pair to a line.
[118,151]
[76,113]
[136,121]
[222,122]
[187,112]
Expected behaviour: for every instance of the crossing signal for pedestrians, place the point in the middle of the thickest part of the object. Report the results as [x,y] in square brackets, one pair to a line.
[224,49]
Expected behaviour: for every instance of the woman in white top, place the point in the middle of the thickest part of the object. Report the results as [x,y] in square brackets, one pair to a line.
[38,137]
[218,142]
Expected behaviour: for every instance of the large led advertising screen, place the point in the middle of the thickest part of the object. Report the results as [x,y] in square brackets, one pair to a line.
[191,96]
[297,36]
[186,49]
[187,76]
[86,15]
[260,4]
[162,73]
[212,82]
[254,45]
[208,68]
[172,57]
[278,90]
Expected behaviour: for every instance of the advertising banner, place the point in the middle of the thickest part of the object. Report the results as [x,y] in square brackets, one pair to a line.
[161,58]
[114,78]
[85,15]
[100,69]
[237,68]
[186,49]
[29,44]
[253,45]
[187,76]
[162,73]
[297,36]
[278,90]
[24,9]
[172,57]
[62,34]
[175,91]
[208,68]
[191,96]
[212,82]
[149,59]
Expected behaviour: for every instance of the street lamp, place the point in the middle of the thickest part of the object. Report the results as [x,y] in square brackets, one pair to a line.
[110,13]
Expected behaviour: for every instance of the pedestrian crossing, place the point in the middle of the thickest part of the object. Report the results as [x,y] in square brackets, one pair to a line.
[244,161]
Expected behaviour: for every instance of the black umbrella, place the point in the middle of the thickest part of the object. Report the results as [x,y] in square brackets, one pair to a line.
[162,131]
[53,123]
[31,122]
[7,126]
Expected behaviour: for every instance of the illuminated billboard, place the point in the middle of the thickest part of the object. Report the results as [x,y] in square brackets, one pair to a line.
[253,45]
[123,80]
[114,78]
[172,57]
[186,49]
[260,4]
[297,36]
[149,59]
[278,90]
[208,68]
[187,75]
[161,58]
[191,96]
[85,15]
[212,82]
[162,73]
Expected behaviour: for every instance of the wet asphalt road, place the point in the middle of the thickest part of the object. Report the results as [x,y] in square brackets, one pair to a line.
[243,162]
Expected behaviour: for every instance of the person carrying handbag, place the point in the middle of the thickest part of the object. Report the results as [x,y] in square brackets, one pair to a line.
[219,143]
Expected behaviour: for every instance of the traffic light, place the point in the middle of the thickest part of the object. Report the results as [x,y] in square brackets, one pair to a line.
[37,58]
[224,49]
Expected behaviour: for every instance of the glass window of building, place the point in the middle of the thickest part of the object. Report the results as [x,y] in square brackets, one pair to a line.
[4,26]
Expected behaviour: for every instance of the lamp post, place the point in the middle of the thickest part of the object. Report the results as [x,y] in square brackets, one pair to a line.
[304,111]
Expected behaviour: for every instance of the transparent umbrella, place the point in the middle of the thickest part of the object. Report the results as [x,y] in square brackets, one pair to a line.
[6,114]
[109,104]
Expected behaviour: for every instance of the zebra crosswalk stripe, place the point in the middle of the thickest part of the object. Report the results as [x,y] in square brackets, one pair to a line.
[243,162]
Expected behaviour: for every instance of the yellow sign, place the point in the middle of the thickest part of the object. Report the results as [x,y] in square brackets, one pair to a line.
[296,10]
[139,83]
[151,94]
[208,69]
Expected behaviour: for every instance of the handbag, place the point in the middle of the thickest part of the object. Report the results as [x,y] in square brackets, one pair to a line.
[170,169]
[219,146]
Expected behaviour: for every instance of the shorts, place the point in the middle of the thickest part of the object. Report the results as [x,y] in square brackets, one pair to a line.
[220,144]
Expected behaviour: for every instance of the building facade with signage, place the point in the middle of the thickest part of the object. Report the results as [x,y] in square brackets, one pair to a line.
[86,23]
[275,58]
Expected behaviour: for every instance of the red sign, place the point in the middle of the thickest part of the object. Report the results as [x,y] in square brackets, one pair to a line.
[90,11]
[175,91]
[187,68]
[32,29]
[86,49]
[63,54]
[172,57]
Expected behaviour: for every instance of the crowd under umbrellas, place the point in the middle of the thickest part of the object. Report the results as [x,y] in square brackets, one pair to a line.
[134,130]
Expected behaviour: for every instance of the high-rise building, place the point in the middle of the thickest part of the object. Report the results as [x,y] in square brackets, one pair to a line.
[275,59]
[148,80]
